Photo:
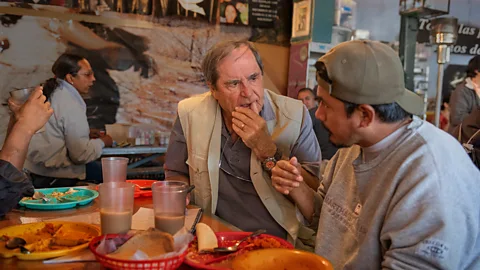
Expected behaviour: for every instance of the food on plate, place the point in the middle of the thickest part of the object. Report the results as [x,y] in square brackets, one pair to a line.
[54,194]
[261,243]
[207,240]
[57,194]
[151,242]
[51,237]
[196,258]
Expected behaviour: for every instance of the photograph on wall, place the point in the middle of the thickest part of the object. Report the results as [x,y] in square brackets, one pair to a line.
[301,18]
[234,12]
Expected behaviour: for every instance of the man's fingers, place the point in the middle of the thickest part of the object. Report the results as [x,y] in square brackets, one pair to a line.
[43,98]
[238,131]
[294,161]
[37,93]
[281,189]
[12,103]
[255,108]
[285,165]
[243,126]
[278,172]
[285,182]
[241,116]
[247,112]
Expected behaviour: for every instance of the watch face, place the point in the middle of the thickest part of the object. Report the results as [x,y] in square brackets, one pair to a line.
[270,164]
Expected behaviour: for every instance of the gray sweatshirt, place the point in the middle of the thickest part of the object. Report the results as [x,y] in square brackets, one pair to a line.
[64,147]
[415,205]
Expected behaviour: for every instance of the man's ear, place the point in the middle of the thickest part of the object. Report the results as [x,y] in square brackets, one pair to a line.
[211,87]
[367,115]
[69,78]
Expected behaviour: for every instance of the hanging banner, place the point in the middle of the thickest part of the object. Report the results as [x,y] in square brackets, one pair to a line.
[468,41]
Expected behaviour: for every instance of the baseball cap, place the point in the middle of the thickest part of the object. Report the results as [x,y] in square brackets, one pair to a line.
[368,72]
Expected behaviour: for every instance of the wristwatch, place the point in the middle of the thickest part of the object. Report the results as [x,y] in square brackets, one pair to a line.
[269,163]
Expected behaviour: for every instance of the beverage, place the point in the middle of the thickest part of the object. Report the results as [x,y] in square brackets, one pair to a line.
[169,223]
[115,222]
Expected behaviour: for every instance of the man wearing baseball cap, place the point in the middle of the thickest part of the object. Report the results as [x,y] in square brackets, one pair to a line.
[400,194]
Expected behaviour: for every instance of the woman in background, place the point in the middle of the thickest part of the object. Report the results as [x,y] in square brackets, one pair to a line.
[62,153]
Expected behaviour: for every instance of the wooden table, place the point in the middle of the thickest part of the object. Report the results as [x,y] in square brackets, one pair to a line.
[13,218]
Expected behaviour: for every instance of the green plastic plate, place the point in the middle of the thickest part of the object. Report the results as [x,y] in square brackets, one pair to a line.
[81,197]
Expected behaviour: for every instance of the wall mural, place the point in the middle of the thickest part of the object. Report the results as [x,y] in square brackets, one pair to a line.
[141,72]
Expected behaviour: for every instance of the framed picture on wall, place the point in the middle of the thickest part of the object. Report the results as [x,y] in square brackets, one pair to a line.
[302,14]
[234,12]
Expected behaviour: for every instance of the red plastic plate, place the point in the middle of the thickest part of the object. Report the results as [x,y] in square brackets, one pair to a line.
[142,183]
[225,239]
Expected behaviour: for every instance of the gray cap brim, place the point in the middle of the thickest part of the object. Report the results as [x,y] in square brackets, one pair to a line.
[411,102]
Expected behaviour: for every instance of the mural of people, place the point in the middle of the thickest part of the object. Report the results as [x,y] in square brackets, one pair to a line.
[106,49]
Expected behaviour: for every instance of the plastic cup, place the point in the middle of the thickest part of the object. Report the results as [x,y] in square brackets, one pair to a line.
[169,199]
[20,96]
[114,169]
[116,207]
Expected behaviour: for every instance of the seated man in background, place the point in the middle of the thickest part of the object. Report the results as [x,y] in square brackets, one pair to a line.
[402,194]
[306,95]
[27,120]
[226,141]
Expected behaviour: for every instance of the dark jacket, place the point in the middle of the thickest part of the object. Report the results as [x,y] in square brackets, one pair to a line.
[323,136]
[14,185]
[468,133]
[463,101]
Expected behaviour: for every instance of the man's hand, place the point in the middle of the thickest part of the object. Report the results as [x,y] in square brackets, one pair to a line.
[252,128]
[286,175]
[107,140]
[95,133]
[32,115]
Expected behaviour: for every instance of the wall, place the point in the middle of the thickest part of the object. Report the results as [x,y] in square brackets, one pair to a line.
[275,62]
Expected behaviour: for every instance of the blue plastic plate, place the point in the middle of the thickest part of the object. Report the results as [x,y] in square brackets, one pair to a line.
[81,197]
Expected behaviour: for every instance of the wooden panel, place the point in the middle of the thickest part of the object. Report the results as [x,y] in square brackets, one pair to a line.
[275,62]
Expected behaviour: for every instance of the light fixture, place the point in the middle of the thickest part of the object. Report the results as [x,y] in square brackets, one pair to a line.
[444,33]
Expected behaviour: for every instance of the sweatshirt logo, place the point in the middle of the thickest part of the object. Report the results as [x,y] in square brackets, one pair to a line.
[433,248]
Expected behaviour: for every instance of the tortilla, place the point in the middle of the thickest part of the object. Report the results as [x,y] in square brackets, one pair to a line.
[152,242]
[207,240]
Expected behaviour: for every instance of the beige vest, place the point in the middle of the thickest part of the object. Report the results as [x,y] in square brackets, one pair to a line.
[201,121]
